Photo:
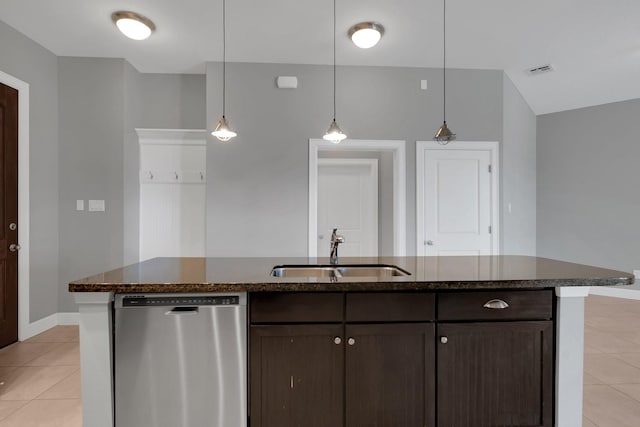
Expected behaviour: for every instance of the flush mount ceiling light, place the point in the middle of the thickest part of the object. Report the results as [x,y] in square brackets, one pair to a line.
[133,25]
[444,135]
[223,131]
[334,133]
[366,34]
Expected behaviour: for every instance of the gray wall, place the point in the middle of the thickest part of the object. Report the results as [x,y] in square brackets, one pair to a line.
[257,184]
[31,63]
[102,102]
[588,206]
[91,109]
[518,178]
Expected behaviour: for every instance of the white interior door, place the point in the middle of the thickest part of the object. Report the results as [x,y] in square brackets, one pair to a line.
[456,195]
[348,201]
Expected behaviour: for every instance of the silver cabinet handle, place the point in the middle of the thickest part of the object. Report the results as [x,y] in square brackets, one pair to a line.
[14,247]
[496,304]
[444,340]
[429,242]
[337,340]
[351,341]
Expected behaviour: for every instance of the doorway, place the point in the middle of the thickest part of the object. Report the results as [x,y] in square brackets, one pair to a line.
[8,215]
[457,198]
[360,148]
[348,201]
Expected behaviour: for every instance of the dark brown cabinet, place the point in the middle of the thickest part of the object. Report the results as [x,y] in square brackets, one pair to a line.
[347,374]
[387,360]
[297,375]
[389,375]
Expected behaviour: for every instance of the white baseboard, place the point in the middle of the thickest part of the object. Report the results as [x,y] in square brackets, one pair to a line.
[615,292]
[55,319]
[68,318]
[39,326]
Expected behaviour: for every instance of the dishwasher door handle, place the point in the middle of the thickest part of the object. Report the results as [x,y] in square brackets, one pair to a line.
[183,310]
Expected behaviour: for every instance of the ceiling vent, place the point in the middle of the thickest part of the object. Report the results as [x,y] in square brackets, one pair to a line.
[540,70]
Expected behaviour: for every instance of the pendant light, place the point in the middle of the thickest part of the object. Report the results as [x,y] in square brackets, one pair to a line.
[444,135]
[222,131]
[334,133]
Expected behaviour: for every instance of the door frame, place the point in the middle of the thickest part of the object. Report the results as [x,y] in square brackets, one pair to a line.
[22,87]
[494,149]
[373,168]
[399,186]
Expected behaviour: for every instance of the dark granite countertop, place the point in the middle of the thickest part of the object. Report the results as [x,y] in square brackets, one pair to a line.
[427,273]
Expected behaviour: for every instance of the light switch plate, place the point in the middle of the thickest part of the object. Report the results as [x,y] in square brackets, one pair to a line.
[637,274]
[423,84]
[79,205]
[96,205]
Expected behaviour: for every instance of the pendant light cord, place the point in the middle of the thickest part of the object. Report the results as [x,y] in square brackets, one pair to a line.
[334,60]
[444,60]
[224,56]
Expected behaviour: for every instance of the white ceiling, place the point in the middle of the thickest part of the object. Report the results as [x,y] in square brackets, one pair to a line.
[594,45]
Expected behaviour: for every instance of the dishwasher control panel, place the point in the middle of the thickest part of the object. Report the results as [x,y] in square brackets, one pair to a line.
[150,301]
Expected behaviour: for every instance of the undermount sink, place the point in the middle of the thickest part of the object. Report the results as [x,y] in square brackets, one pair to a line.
[338,271]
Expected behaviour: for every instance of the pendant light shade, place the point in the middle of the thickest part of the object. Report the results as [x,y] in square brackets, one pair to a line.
[444,135]
[222,131]
[334,133]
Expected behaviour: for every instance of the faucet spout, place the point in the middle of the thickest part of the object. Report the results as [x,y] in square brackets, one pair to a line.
[335,241]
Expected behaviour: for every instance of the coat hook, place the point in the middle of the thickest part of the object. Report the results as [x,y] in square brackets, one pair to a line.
[150,175]
[201,176]
[176,174]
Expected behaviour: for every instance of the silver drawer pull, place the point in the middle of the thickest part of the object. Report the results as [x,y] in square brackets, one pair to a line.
[496,304]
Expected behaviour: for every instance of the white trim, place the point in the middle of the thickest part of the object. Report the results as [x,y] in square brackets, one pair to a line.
[494,148]
[399,186]
[614,292]
[72,318]
[172,136]
[572,291]
[24,325]
[39,326]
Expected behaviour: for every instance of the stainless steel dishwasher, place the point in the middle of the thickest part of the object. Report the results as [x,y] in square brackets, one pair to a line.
[180,360]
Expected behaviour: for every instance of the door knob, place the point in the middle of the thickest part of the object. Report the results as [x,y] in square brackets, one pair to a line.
[351,341]
[14,247]
[337,340]
[429,242]
[444,340]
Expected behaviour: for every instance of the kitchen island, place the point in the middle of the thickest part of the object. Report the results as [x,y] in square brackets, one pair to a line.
[436,302]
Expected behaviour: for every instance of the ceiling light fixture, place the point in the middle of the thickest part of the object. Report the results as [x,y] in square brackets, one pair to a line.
[223,131]
[444,135]
[133,25]
[334,133]
[366,34]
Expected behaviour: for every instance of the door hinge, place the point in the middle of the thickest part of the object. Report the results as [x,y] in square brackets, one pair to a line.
[489,229]
[490,170]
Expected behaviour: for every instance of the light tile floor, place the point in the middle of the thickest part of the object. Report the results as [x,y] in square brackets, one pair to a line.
[40,377]
[612,362]
[40,381]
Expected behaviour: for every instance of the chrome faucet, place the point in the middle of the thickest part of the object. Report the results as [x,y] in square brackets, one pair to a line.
[335,241]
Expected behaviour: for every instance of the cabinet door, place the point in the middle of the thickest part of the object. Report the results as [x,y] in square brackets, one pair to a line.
[495,374]
[297,376]
[390,377]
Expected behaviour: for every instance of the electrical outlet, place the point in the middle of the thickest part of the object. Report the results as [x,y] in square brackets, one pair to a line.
[423,84]
[637,274]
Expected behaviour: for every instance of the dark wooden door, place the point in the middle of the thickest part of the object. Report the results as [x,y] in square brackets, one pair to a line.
[495,374]
[296,376]
[390,378]
[8,215]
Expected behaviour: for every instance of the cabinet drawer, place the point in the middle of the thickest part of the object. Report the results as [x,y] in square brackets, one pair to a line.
[477,305]
[307,307]
[390,307]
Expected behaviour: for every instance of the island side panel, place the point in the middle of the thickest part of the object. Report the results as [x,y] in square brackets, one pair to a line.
[96,352]
[569,355]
